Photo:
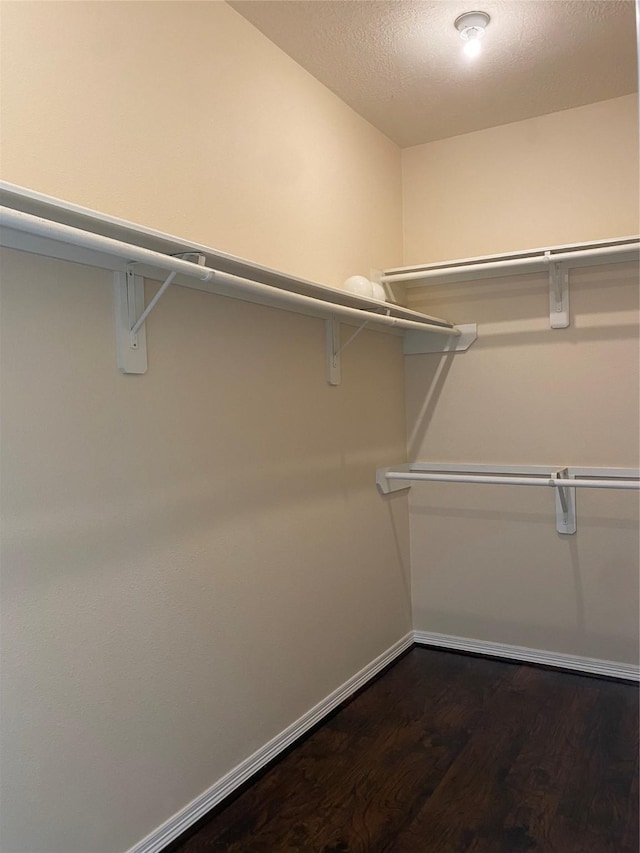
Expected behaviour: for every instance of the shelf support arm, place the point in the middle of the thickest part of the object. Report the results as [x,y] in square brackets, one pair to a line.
[131,314]
[350,339]
[333,348]
[197,258]
[169,279]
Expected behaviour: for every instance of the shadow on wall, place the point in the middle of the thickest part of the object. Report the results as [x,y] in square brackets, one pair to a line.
[398,511]
[494,336]
[437,369]
[515,339]
[499,515]
[574,556]
[597,290]
[503,630]
[575,594]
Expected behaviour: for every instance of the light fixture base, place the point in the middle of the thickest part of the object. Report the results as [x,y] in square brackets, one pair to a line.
[471,24]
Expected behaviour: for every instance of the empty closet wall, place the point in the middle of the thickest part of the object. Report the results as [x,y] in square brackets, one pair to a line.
[183,117]
[195,557]
[487,562]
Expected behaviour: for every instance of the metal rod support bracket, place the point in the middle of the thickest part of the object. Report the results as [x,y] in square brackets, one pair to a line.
[335,349]
[131,315]
[332,345]
[565,504]
[558,294]
[129,302]
[417,342]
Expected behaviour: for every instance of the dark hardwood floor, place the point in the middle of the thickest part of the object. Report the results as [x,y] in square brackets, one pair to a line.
[447,753]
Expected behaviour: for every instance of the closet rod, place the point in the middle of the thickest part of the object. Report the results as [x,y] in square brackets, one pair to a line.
[559,482]
[333,309]
[602,254]
[50,230]
[127,253]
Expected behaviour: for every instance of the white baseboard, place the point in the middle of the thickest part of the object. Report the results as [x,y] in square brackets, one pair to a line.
[186,817]
[592,666]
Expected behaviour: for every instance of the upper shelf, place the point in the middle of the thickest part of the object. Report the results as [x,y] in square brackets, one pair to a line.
[36,223]
[66,213]
[516,263]
[556,261]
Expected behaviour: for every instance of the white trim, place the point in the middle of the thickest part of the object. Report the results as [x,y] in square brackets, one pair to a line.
[613,669]
[157,840]
[186,817]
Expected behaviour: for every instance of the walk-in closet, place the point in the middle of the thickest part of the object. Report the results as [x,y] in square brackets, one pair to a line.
[320,417]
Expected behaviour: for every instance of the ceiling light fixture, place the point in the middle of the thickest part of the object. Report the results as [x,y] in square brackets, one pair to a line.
[471,27]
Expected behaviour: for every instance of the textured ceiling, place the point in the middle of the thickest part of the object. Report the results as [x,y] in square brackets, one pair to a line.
[399,63]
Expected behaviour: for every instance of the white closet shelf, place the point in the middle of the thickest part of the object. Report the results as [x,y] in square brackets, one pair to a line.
[40,224]
[613,250]
[556,260]
[564,480]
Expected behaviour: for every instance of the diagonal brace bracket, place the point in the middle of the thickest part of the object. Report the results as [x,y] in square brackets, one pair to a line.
[334,349]
[131,315]
[417,342]
[195,256]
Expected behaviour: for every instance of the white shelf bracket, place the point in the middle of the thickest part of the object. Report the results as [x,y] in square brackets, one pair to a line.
[558,294]
[196,257]
[387,487]
[565,504]
[131,315]
[416,342]
[334,350]
[332,346]
[129,300]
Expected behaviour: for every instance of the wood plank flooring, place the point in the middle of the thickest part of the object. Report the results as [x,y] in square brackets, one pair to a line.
[448,753]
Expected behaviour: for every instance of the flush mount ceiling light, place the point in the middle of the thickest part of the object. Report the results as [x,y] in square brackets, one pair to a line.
[471,27]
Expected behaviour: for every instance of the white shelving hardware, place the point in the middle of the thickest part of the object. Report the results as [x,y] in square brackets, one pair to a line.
[43,225]
[557,260]
[563,480]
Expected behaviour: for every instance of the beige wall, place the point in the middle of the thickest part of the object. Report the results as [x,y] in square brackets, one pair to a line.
[560,178]
[195,557]
[487,562]
[183,117]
